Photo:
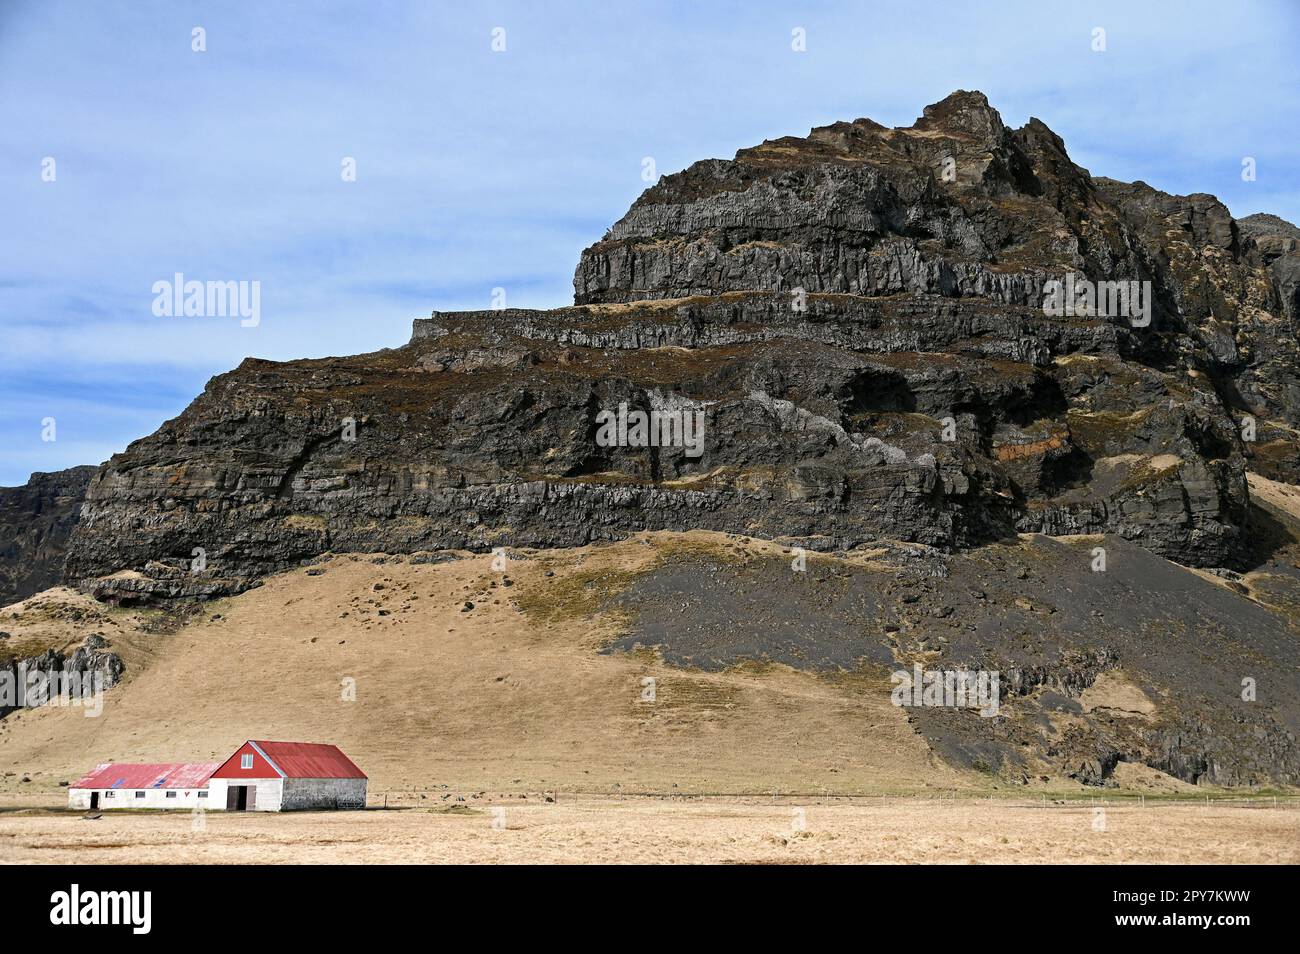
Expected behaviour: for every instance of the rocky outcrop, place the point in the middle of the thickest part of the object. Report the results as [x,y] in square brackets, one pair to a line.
[856,318]
[56,677]
[36,521]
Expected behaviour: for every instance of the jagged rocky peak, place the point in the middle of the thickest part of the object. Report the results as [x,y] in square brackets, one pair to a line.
[958,206]
[955,203]
[965,112]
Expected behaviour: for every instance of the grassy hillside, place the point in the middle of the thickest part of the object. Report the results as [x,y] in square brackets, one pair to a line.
[512,695]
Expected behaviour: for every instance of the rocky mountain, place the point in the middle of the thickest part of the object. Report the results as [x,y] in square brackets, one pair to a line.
[858,320]
[1015,405]
[35,523]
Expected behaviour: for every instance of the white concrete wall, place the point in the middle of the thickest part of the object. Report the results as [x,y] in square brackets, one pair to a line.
[186,799]
[270,791]
[273,795]
[331,793]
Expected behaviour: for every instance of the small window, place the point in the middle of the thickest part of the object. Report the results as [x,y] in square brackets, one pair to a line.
[245,761]
[109,794]
[171,794]
[203,794]
[139,794]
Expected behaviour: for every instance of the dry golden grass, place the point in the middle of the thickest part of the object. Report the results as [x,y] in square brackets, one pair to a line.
[630,831]
[1285,497]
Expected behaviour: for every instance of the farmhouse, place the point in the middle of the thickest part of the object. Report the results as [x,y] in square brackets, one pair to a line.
[167,785]
[259,776]
[283,776]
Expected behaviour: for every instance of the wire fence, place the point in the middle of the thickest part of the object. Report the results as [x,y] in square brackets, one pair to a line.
[451,799]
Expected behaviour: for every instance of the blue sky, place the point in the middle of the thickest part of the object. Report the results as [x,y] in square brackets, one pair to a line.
[478,169]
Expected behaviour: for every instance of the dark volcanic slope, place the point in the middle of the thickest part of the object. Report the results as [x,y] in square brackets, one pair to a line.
[1143,662]
[36,521]
[824,424]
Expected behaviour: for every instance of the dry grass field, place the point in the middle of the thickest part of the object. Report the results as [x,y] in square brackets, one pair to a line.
[650,831]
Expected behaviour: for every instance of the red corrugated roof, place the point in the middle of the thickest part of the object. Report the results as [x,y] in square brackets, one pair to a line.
[309,760]
[161,775]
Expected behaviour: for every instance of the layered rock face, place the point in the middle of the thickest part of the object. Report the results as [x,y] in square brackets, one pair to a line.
[857,321]
[36,521]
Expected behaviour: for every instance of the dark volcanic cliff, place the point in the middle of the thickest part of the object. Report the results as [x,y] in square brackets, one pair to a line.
[36,521]
[858,317]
